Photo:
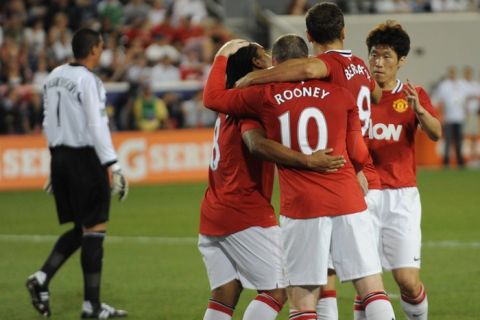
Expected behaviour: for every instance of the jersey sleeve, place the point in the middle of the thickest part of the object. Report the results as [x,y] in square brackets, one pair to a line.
[356,147]
[426,102]
[93,99]
[236,102]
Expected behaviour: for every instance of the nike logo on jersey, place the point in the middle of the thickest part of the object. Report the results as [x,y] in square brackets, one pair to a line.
[416,259]
[380,131]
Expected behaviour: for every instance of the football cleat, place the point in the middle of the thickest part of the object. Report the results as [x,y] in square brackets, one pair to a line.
[103,312]
[39,295]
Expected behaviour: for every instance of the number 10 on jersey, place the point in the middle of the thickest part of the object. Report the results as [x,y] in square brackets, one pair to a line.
[310,113]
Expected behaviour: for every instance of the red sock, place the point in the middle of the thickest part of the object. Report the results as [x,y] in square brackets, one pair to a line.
[303,315]
[218,311]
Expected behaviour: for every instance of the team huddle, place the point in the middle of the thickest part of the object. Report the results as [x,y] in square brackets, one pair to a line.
[342,137]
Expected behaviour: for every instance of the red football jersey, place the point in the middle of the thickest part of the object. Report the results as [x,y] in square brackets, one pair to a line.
[239,184]
[392,137]
[305,116]
[350,72]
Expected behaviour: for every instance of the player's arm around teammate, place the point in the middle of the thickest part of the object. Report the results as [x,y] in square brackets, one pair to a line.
[259,145]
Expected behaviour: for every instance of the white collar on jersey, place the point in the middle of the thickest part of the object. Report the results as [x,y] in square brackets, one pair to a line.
[346,53]
[398,87]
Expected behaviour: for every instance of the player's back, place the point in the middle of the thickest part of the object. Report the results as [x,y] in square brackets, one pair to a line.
[350,72]
[64,95]
[239,184]
[308,116]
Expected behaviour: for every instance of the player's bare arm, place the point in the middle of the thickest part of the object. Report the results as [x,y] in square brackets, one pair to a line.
[291,70]
[362,181]
[320,161]
[429,123]
[231,47]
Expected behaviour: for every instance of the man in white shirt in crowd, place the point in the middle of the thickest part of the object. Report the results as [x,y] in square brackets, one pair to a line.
[472,120]
[452,95]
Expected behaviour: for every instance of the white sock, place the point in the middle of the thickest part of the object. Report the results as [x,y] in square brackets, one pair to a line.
[41,277]
[87,306]
[218,311]
[358,309]
[378,307]
[263,307]
[416,308]
[327,306]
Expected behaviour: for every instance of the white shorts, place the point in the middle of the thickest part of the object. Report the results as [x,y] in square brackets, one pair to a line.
[348,238]
[374,203]
[253,256]
[397,223]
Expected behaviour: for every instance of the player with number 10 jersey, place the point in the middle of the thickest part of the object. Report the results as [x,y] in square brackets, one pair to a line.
[305,117]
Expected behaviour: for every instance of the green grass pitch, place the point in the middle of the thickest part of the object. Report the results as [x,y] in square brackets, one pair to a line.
[152,267]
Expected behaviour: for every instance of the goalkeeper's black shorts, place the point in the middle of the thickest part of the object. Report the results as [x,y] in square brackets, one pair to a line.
[80,186]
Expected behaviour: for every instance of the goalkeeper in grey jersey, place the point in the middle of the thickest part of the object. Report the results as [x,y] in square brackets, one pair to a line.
[76,126]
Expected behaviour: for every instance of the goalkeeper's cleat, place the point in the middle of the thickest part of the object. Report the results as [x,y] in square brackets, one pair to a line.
[104,311]
[39,295]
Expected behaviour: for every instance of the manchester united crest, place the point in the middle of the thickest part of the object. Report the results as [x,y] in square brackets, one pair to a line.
[400,105]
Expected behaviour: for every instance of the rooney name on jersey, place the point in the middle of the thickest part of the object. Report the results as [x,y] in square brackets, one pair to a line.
[315,92]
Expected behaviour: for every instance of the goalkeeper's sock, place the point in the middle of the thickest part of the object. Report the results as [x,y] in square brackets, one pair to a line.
[264,307]
[65,246]
[417,307]
[218,311]
[327,305]
[91,259]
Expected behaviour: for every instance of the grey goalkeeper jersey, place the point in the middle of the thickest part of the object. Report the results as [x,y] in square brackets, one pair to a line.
[74,109]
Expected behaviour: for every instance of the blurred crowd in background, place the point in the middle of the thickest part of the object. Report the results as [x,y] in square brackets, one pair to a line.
[147,43]
[390,6]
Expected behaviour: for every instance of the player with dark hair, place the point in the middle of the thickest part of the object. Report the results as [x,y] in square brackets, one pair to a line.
[239,235]
[76,127]
[326,31]
[391,143]
[316,214]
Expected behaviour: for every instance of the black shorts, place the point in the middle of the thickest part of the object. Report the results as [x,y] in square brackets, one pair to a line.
[80,186]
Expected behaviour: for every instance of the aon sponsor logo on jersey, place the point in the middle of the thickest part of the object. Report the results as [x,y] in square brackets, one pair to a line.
[381,131]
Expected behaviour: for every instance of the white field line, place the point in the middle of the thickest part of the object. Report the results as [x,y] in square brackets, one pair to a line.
[193,240]
[112,239]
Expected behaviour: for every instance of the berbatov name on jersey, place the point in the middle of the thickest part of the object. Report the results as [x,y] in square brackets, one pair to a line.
[304,116]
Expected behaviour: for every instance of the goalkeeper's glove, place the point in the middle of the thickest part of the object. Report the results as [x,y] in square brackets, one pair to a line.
[47,187]
[119,183]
